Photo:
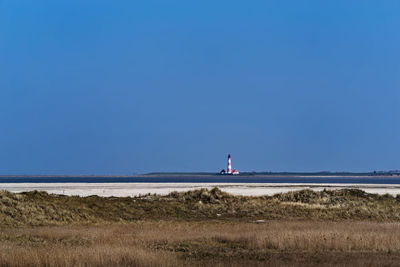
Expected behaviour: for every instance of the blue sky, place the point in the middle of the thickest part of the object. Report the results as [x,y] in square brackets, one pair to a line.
[121,87]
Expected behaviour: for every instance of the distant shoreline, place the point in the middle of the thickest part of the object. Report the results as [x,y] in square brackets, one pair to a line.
[216,175]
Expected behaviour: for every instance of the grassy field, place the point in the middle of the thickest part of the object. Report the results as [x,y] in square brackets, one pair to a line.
[202,243]
[200,228]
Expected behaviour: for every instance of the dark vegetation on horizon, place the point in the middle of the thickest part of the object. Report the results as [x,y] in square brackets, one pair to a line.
[269,173]
[250,173]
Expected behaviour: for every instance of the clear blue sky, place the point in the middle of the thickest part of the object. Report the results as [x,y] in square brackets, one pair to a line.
[120,87]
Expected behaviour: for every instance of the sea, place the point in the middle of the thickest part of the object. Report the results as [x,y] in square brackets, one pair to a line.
[207,179]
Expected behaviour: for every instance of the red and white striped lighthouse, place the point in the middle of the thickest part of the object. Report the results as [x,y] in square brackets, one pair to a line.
[229,164]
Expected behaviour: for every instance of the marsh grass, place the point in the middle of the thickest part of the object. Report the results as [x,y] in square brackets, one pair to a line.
[199,243]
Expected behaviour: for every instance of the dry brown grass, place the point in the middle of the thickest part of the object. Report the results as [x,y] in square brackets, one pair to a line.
[40,208]
[213,243]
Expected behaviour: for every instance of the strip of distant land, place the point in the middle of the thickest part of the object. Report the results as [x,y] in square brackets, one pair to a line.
[281,174]
[212,174]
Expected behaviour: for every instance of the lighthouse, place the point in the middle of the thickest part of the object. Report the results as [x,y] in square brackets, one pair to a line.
[229,169]
[229,164]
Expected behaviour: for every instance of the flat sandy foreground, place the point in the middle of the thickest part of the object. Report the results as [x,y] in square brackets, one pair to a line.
[136,189]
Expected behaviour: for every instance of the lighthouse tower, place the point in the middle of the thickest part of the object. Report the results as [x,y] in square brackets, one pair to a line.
[229,164]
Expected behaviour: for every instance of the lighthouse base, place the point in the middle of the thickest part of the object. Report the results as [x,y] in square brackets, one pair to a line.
[234,172]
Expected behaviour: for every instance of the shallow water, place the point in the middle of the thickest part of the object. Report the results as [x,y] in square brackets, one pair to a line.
[209,179]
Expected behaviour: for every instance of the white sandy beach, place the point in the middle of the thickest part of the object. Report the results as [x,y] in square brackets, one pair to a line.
[135,189]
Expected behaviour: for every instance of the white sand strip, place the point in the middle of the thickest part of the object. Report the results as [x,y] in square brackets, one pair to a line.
[135,189]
